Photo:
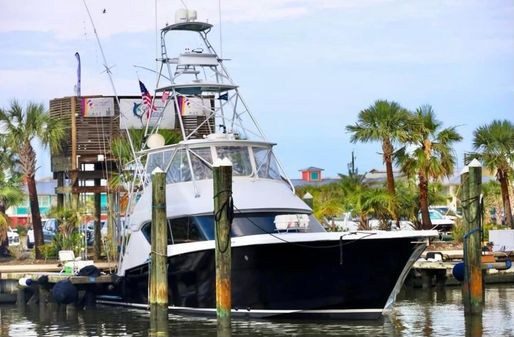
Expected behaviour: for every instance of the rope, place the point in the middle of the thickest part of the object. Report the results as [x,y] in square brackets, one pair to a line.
[154,252]
[478,216]
[228,207]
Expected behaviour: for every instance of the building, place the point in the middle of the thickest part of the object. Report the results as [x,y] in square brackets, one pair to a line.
[20,214]
[311,176]
[376,177]
[47,197]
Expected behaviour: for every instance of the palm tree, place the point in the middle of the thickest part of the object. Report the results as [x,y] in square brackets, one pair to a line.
[366,201]
[22,127]
[431,156]
[495,142]
[383,121]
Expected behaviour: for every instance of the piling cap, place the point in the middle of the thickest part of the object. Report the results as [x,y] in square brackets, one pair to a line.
[307,196]
[221,162]
[475,163]
[157,170]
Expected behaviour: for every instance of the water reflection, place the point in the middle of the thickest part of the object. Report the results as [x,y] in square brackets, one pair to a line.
[418,312]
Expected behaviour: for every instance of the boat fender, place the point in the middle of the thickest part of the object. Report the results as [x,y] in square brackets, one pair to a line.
[43,280]
[458,271]
[64,292]
[25,282]
[90,270]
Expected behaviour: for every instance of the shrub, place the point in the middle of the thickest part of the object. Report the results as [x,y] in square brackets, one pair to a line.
[73,241]
[48,250]
[22,230]
[458,231]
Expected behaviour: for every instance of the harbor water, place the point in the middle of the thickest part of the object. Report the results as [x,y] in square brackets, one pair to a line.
[418,312]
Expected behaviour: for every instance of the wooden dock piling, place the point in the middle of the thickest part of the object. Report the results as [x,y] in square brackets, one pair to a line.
[473,278]
[223,210]
[158,281]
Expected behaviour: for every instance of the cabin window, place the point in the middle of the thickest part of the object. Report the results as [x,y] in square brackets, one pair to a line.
[201,159]
[185,230]
[240,158]
[180,230]
[179,169]
[253,224]
[158,159]
[266,163]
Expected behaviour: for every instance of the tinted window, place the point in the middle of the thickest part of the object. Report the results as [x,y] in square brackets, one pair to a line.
[179,231]
[185,230]
[198,228]
[251,224]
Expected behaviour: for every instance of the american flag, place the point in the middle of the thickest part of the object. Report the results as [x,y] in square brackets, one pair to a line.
[147,99]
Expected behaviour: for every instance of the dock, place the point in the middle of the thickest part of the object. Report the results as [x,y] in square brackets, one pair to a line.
[11,291]
[435,268]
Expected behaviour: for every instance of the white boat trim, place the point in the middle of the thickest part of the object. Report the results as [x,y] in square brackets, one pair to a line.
[299,238]
[254,311]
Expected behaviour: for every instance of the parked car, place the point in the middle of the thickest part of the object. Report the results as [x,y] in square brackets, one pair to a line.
[446,211]
[13,237]
[439,221]
[89,229]
[50,227]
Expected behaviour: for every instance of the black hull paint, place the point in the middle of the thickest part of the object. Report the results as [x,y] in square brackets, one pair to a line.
[317,278]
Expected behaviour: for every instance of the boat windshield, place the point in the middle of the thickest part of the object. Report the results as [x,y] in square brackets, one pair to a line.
[183,164]
[200,228]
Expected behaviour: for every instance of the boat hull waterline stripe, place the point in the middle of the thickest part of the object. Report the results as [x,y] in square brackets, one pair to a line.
[257,311]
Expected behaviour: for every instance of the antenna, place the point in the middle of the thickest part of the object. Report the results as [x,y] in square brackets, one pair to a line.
[221,38]
[108,71]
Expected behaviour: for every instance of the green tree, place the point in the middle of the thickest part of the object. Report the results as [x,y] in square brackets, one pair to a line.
[384,122]
[492,201]
[495,143]
[22,128]
[366,201]
[327,202]
[430,154]
[10,189]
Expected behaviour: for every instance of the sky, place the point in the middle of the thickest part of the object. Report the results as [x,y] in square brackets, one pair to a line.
[306,68]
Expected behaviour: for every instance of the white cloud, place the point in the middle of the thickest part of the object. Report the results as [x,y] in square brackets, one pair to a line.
[70,20]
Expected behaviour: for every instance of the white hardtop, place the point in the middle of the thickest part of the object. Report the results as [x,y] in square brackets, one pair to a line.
[215,139]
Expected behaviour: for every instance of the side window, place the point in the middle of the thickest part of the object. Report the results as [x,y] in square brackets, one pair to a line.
[185,230]
[266,163]
[179,231]
[147,232]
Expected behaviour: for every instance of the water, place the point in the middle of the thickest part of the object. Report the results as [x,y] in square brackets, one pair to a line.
[417,313]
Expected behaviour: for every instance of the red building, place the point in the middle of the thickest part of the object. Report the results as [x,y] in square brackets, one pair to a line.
[311,174]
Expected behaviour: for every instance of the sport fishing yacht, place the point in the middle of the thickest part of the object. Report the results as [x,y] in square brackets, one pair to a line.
[284,263]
